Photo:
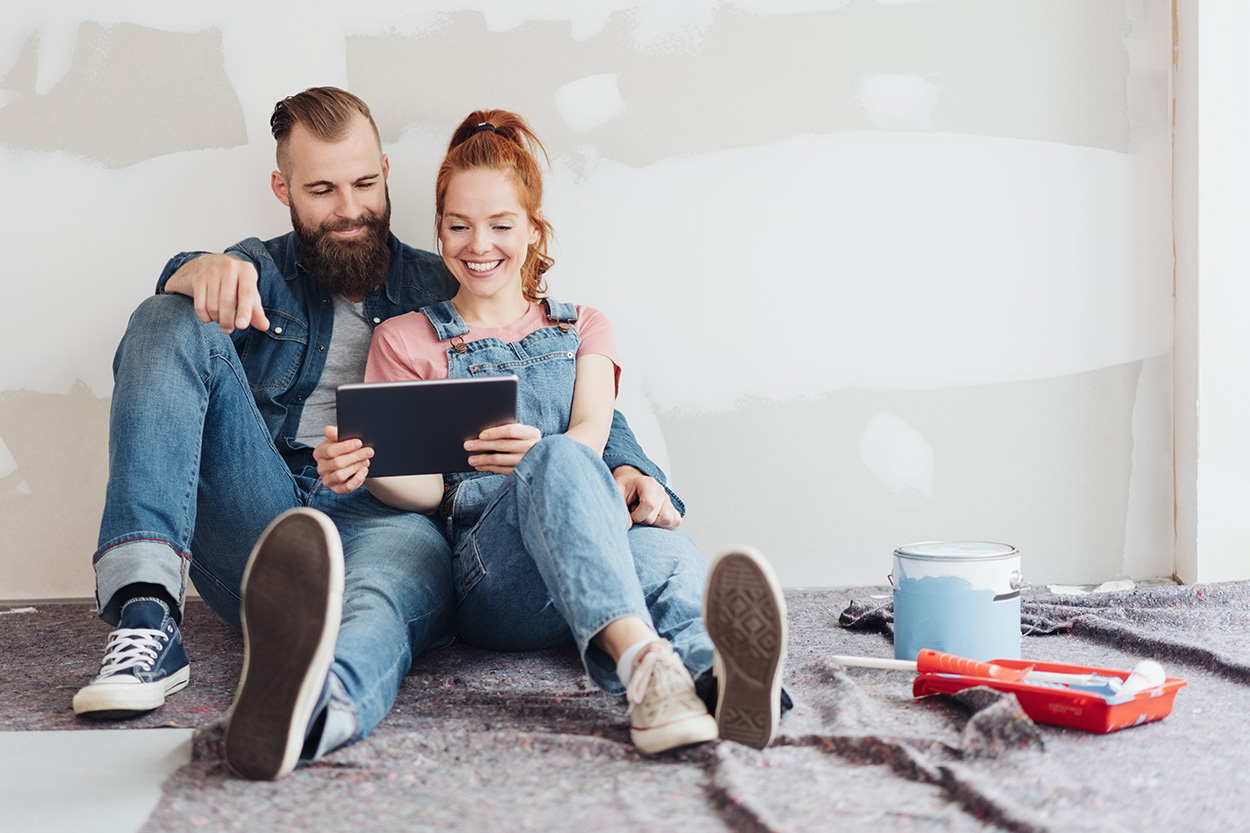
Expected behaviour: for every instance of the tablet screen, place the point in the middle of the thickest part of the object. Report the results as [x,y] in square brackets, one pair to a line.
[420,427]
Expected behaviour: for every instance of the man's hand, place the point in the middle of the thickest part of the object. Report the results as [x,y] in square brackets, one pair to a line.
[223,288]
[499,449]
[647,501]
[343,466]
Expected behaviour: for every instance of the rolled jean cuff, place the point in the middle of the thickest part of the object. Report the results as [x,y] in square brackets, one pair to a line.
[598,663]
[138,559]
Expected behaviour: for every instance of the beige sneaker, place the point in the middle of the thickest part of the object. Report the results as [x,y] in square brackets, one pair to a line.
[664,711]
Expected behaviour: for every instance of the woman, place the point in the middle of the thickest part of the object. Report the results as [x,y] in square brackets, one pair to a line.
[539,532]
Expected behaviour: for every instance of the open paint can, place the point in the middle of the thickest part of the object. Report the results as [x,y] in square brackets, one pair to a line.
[957,597]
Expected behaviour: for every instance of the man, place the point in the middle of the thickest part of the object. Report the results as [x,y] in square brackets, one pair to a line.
[225,383]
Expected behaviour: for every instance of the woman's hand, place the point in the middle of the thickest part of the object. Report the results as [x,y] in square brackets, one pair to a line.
[343,466]
[498,450]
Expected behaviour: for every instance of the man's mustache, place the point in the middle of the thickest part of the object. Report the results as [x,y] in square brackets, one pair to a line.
[365,219]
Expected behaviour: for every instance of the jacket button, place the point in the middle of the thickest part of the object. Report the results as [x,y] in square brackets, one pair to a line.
[322,348]
[377,321]
[277,331]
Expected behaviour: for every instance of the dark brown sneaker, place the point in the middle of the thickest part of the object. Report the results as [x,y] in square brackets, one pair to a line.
[292,606]
[745,614]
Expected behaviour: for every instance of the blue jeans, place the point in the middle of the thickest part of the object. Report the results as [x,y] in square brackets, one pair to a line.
[550,562]
[195,477]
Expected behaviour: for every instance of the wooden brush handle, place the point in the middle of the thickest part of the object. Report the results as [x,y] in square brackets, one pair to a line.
[874,662]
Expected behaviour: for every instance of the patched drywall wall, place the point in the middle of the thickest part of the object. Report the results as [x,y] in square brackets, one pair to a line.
[867,260]
[987,462]
[131,93]
[746,78]
[52,465]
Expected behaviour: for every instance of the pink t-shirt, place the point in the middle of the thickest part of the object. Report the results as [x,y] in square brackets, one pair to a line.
[406,347]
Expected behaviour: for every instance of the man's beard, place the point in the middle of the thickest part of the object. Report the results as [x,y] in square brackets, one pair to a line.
[352,268]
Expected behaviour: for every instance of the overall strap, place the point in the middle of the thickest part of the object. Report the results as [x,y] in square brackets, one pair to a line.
[446,322]
[561,314]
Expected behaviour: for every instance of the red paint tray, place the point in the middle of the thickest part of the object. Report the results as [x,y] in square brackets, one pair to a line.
[1057,705]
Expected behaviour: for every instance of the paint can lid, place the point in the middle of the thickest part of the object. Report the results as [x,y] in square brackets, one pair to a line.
[957,551]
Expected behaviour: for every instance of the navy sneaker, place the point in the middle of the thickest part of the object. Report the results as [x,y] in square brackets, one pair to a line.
[292,606]
[745,614]
[143,663]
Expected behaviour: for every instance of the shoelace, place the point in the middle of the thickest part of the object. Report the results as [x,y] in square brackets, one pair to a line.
[649,667]
[131,648]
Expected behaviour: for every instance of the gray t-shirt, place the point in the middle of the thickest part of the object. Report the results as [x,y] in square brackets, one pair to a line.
[345,363]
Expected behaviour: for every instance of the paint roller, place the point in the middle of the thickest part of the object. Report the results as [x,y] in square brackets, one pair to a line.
[1146,675]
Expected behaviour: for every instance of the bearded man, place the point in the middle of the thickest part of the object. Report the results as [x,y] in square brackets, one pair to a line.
[224,393]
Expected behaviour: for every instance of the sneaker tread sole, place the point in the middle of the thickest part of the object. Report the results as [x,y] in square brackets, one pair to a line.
[292,598]
[746,619]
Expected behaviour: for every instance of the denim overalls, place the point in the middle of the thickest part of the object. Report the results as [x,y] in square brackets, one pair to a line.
[545,361]
[545,556]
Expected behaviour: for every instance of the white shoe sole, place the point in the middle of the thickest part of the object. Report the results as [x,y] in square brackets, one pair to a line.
[292,606]
[114,701]
[685,732]
[745,614]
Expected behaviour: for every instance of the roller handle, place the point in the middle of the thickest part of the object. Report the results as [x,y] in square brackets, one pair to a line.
[933,662]
[874,662]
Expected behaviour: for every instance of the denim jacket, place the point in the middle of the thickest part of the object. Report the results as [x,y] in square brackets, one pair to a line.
[284,362]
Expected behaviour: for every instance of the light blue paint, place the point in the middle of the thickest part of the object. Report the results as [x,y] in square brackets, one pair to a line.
[948,614]
[1108,688]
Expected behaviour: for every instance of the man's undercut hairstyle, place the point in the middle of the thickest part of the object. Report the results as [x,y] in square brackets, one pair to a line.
[326,112]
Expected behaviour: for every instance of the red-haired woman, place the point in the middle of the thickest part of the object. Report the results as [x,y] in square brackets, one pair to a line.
[543,550]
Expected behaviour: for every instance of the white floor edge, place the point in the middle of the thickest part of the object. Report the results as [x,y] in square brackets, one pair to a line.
[104,780]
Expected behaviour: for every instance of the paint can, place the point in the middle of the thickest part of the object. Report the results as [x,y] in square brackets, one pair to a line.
[957,597]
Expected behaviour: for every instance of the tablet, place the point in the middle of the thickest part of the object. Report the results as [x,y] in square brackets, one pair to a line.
[420,427]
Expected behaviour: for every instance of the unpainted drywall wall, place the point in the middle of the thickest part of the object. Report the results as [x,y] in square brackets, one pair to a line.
[987,462]
[130,94]
[867,261]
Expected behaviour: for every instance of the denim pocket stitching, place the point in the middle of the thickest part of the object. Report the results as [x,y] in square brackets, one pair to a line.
[469,568]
